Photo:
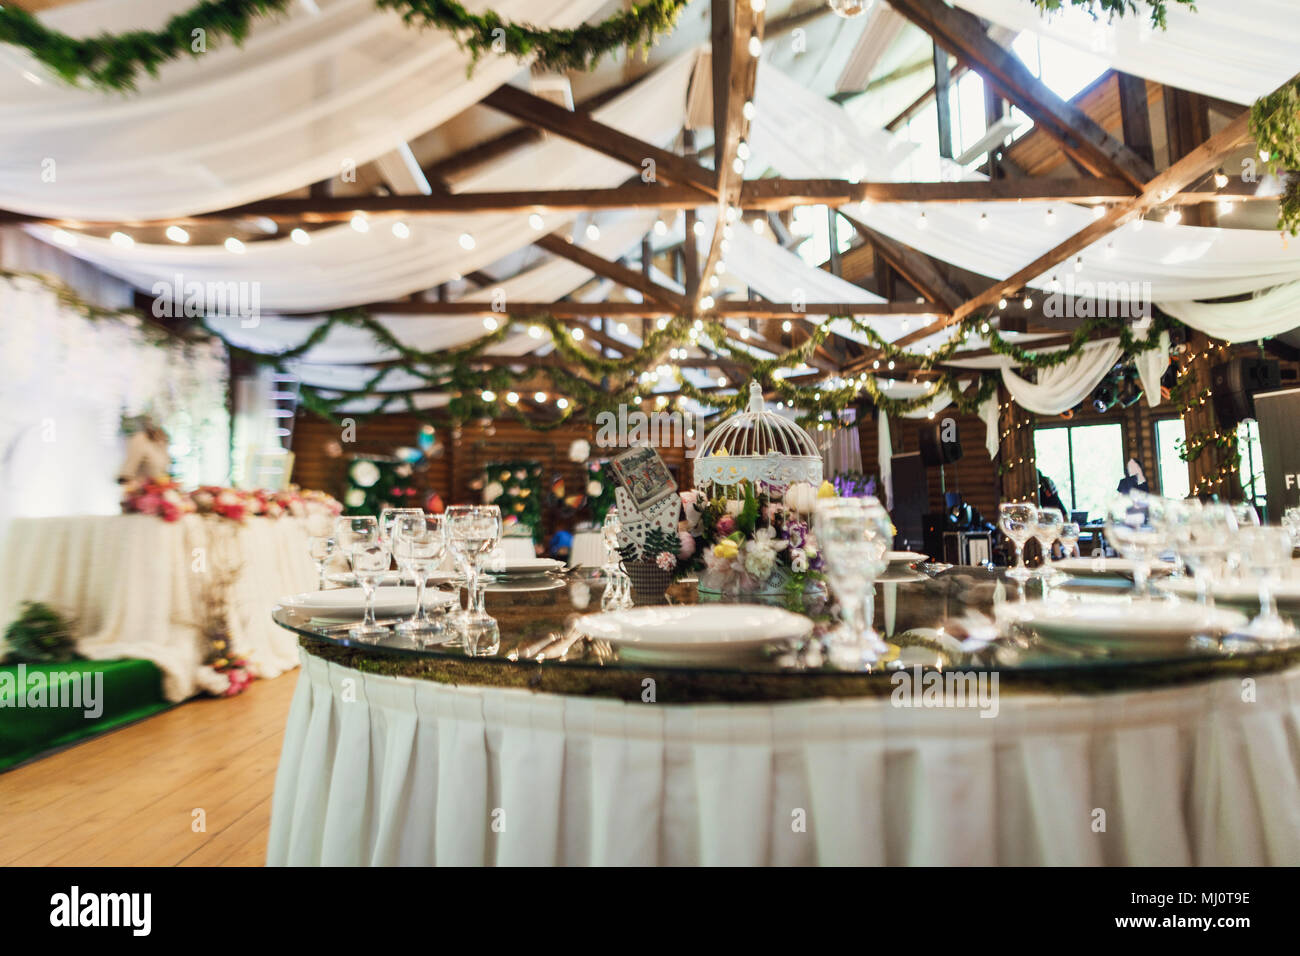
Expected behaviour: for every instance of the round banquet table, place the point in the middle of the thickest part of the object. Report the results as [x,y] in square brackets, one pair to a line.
[555,751]
[137,585]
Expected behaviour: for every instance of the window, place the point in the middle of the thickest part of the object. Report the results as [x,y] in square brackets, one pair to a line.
[1252,464]
[1174,480]
[1086,462]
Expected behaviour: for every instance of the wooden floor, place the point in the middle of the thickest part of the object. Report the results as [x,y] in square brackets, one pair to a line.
[129,798]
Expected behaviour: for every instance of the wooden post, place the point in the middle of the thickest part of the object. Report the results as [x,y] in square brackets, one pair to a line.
[1213,470]
[943,105]
[1017,465]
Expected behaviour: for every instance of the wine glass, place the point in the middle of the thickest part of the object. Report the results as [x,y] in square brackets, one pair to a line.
[1047,528]
[358,535]
[1246,515]
[1069,538]
[472,532]
[617,594]
[321,550]
[854,535]
[1265,551]
[1133,527]
[386,519]
[1204,547]
[419,542]
[1016,519]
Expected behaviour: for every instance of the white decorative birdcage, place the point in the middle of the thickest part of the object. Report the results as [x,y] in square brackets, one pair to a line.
[760,447]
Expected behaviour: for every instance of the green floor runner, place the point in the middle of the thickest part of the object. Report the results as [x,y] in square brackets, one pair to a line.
[44,706]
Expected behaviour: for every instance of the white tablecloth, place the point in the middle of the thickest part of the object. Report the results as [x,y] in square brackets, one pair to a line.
[133,583]
[383,770]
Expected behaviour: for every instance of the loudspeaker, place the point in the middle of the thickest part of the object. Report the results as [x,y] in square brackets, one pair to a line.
[936,451]
[1234,384]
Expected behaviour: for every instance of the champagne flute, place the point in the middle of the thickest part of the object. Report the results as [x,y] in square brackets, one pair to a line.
[854,535]
[1047,528]
[369,556]
[472,532]
[419,542]
[1016,519]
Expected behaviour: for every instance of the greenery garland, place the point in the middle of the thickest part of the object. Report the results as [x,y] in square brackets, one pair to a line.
[580,48]
[115,61]
[1275,124]
[1118,8]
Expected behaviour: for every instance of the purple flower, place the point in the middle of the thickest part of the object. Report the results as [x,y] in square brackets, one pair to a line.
[726,525]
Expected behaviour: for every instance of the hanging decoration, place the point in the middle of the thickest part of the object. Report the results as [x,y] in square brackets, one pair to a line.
[1159,9]
[1275,124]
[516,488]
[115,61]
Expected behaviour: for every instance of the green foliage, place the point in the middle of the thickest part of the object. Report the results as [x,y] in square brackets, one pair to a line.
[521,491]
[393,489]
[1275,124]
[657,542]
[115,61]
[40,635]
[1118,8]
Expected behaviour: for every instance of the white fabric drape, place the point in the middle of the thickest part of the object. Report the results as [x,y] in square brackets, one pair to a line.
[1151,365]
[1236,51]
[305,98]
[342,267]
[885,458]
[988,413]
[133,584]
[65,383]
[1066,385]
[1261,316]
[390,771]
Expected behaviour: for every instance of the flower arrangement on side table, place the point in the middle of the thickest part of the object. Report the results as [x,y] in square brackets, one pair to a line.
[166,500]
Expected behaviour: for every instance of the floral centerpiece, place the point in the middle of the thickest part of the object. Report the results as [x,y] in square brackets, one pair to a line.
[758,542]
[161,498]
[166,500]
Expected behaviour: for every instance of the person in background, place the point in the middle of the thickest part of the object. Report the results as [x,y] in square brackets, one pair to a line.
[147,457]
[560,545]
[1048,497]
[1135,480]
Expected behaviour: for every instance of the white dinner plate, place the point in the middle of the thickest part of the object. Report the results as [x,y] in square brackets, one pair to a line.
[696,632]
[1106,567]
[388,600]
[906,557]
[522,566]
[1124,624]
[1240,593]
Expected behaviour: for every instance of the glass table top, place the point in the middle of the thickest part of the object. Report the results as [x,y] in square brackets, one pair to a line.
[935,616]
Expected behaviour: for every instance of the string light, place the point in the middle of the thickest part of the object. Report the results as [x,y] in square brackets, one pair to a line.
[488,395]
[401,230]
[538,223]
[360,223]
[490,323]
[177,234]
[661,227]
[301,236]
[121,240]
[593,231]
[234,245]
[578,335]
[512,398]
[467,241]
[755,46]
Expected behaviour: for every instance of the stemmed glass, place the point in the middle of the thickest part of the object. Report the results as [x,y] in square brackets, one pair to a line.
[1134,526]
[854,535]
[358,536]
[419,542]
[387,517]
[1016,519]
[1265,552]
[1069,538]
[472,532]
[1047,528]
[321,550]
[616,596]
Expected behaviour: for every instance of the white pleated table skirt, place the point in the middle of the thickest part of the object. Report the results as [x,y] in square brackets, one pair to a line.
[393,771]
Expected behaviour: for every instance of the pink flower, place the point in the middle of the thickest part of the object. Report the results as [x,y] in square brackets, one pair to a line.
[726,525]
[665,561]
[686,545]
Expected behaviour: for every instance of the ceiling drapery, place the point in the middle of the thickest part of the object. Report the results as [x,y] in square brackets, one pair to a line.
[304,97]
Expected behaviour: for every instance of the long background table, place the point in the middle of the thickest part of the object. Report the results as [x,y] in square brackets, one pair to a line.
[137,586]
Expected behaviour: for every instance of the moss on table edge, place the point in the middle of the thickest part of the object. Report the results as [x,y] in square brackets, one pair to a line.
[683,686]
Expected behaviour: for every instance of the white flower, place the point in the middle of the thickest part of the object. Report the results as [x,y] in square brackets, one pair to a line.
[492,492]
[760,558]
[594,489]
[580,450]
[364,474]
[798,561]
[801,497]
[355,498]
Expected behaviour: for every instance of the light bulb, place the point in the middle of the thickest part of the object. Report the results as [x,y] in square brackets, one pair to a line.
[786,326]
[122,240]
[1220,178]
[490,323]
[360,223]
[561,403]
[755,45]
[1078,263]
[512,397]
[489,396]
[983,222]
[1173,217]
[234,245]
[177,234]
[467,241]
[537,222]
[301,236]
[539,397]
[534,331]
[578,335]
[1029,303]
[748,110]
[593,231]
[661,228]
[1002,303]
[401,230]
